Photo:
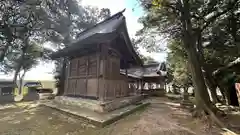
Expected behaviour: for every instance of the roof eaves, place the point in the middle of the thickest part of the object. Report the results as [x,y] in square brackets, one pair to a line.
[130,46]
[104,21]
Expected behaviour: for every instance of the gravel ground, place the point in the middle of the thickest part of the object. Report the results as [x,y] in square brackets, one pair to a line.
[162,117]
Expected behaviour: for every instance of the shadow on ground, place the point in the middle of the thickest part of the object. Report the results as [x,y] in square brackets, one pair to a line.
[162,117]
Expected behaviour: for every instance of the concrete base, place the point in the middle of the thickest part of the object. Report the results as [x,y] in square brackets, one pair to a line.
[96,105]
[95,118]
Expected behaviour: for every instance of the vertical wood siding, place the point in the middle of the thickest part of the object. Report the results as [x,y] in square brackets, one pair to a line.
[82,77]
[114,85]
[97,75]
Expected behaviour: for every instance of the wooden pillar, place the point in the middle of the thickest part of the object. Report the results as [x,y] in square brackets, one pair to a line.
[102,72]
[165,86]
[157,85]
[137,88]
[126,92]
[98,57]
[137,84]
[142,85]
[67,75]
[149,85]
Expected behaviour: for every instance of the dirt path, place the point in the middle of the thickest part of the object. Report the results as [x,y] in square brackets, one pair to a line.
[162,117]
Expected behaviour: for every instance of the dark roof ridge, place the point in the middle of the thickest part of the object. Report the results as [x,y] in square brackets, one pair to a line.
[118,14]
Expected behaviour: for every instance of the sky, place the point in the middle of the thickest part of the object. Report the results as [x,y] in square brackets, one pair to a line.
[133,11]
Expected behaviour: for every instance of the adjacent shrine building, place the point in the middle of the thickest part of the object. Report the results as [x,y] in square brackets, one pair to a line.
[95,60]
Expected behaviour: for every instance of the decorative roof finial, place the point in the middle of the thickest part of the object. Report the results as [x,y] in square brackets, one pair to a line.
[123,10]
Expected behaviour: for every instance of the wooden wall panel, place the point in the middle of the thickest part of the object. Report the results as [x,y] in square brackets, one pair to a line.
[82,69]
[101,88]
[112,68]
[110,88]
[97,75]
[82,87]
[92,90]
[82,66]
[118,90]
[71,87]
[114,88]
[73,67]
[92,65]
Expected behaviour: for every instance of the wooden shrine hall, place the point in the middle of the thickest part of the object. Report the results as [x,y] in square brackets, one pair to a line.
[150,76]
[95,60]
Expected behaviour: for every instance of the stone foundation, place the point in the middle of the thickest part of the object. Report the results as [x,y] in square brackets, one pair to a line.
[98,106]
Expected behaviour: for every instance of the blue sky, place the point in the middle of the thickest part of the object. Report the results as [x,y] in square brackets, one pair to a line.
[133,4]
[132,13]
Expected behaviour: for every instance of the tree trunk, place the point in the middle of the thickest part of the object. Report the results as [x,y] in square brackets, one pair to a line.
[3,52]
[21,82]
[201,94]
[209,80]
[16,74]
[62,78]
[202,99]
[224,91]
[212,88]
[185,93]
[8,32]
[233,98]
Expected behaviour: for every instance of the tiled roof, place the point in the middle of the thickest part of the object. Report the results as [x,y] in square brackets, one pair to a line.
[149,70]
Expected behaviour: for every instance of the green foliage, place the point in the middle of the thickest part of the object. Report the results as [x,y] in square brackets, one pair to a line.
[177,61]
[214,20]
[24,60]
[26,25]
[136,45]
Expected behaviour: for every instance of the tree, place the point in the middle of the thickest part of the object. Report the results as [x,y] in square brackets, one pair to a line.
[22,61]
[78,19]
[20,21]
[182,15]
[137,43]
[177,61]
[188,21]
[57,22]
